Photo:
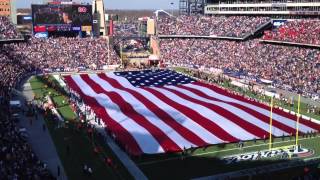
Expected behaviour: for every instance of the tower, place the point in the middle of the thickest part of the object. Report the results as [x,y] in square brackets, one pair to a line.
[183,7]
[96,21]
[98,9]
[191,7]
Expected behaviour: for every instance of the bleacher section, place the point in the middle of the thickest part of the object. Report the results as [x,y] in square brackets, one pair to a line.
[237,27]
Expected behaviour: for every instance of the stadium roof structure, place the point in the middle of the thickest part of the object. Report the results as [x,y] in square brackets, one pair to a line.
[160,11]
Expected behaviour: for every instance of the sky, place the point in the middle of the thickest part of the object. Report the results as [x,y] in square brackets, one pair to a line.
[119,4]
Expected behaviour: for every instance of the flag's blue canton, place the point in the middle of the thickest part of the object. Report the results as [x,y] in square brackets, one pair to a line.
[155,78]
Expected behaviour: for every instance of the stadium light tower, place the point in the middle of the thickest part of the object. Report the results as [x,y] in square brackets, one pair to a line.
[98,6]
[191,7]
[172,3]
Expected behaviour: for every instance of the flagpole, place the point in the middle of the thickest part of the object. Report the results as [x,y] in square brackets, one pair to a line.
[298,117]
[270,130]
[121,55]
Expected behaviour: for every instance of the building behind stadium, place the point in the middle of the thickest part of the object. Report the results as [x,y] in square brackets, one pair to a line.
[281,8]
[5,8]
[8,8]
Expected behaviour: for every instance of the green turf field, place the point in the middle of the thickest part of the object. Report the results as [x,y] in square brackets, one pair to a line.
[198,163]
[205,162]
[81,146]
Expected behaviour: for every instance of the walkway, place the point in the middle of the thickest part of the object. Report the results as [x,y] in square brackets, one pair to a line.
[122,156]
[40,140]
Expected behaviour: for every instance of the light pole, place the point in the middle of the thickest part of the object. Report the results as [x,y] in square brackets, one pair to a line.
[172,8]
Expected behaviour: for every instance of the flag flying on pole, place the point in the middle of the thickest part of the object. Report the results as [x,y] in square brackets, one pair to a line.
[163,111]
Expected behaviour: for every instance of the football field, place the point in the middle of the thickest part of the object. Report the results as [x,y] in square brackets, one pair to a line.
[209,161]
[199,162]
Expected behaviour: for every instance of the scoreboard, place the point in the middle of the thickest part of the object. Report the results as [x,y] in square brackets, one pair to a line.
[61,17]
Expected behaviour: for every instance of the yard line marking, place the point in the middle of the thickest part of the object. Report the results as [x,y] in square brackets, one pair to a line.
[212,152]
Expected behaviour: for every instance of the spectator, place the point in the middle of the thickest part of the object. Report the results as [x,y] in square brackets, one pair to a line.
[47,55]
[231,26]
[297,31]
[291,68]
[126,28]
[17,161]
[7,29]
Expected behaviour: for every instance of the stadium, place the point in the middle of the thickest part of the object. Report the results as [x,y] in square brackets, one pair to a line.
[204,89]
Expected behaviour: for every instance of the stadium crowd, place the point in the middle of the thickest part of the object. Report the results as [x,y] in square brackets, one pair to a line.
[128,28]
[292,68]
[298,31]
[129,45]
[17,161]
[231,26]
[67,53]
[7,29]
[48,55]
[12,69]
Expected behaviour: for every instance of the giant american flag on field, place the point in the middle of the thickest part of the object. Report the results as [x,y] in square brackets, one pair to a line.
[164,111]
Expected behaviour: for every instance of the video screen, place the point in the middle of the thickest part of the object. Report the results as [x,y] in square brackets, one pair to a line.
[81,15]
[63,16]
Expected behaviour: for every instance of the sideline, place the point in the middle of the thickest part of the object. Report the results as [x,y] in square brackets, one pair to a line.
[122,156]
[40,141]
[225,150]
[257,170]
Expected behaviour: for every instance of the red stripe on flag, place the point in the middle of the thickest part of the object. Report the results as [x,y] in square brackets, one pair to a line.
[252,112]
[196,117]
[122,134]
[184,132]
[166,143]
[275,110]
[253,129]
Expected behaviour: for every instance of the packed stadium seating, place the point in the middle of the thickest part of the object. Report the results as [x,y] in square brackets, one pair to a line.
[298,31]
[59,54]
[7,29]
[128,28]
[69,53]
[292,68]
[231,26]
[129,45]
[17,161]
[11,70]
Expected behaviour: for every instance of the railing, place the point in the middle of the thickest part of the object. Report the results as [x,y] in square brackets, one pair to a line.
[195,36]
[290,43]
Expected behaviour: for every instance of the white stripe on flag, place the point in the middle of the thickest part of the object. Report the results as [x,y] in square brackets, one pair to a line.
[232,128]
[234,110]
[144,111]
[146,141]
[276,117]
[175,114]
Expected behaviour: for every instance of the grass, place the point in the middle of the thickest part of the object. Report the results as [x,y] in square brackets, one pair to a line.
[206,162]
[201,162]
[81,145]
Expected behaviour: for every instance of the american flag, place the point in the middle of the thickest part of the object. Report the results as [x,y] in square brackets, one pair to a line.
[163,111]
